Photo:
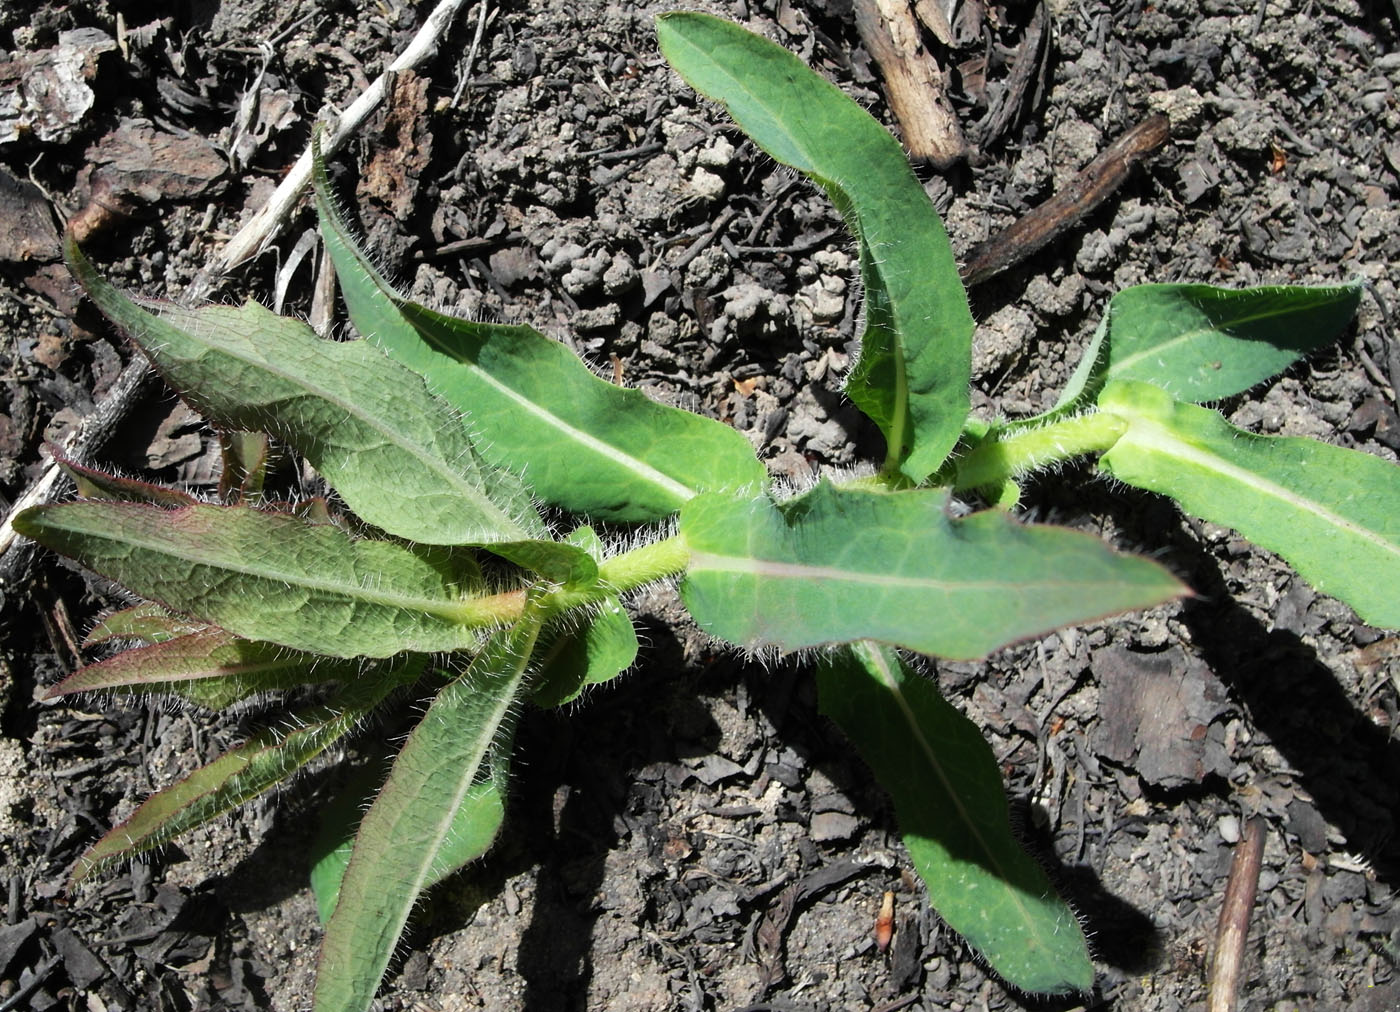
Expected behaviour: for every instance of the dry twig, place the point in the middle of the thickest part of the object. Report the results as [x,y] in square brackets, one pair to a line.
[1227,965]
[254,236]
[1093,184]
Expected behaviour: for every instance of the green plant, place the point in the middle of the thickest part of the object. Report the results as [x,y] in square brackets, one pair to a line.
[439,436]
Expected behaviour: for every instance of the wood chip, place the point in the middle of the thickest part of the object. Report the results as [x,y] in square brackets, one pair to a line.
[27,231]
[1160,714]
[916,84]
[137,164]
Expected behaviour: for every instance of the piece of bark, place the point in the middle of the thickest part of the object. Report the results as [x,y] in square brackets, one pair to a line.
[391,177]
[916,85]
[46,93]
[139,164]
[935,20]
[27,231]
[1161,715]
[1031,56]
[1089,188]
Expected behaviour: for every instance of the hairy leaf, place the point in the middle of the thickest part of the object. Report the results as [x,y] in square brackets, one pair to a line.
[1202,343]
[584,444]
[243,773]
[953,816]
[836,566]
[407,833]
[554,560]
[94,484]
[1331,512]
[147,622]
[912,376]
[211,667]
[583,649]
[597,650]
[478,820]
[268,576]
[396,454]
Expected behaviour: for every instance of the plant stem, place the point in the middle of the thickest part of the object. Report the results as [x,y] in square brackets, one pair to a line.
[628,571]
[1231,935]
[644,564]
[1000,459]
[490,611]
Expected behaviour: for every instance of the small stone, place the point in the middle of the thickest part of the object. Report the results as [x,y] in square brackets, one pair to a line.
[706,185]
[1095,252]
[711,769]
[597,318]
[1306,823]
[1055,300]
[51,351]
[1000,340]
[620,276]
[585,273]
[718,154]
[1228,827]
[1183,107]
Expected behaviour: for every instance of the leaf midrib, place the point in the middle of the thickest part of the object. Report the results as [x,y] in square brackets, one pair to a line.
[334,726]
[644,472]
[1155,436]
[127,539]
[638,467]
[702,561]
[394,914]
[213,670]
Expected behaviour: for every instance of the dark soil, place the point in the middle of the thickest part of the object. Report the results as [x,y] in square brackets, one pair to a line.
[567,179]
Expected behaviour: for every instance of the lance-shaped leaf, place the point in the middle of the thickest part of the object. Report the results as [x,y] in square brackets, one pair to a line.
[399,850]
[952,812]
[147,622]
[583,649]
[243,773]
[583,443]
[397,455]
[479,819]
[94,484]
[839,565]
[1202,343]
[1333,513]
[211,667]
[912,376]
[269,576]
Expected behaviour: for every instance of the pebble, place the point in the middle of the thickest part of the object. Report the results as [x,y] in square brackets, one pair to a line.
[706,185]
[1229,828]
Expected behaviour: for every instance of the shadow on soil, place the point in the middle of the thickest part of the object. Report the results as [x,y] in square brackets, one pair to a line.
[580,781]
[1345,762]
